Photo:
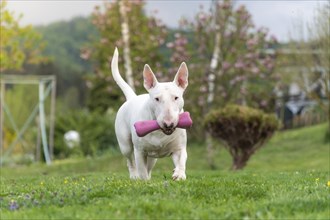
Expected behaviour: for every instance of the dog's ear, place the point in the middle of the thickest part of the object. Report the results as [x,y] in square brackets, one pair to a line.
[181,77]
[149,77]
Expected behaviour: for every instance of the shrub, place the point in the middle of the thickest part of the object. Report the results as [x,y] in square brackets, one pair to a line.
[96,132]
[243,130]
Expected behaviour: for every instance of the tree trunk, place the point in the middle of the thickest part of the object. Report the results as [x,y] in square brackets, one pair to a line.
[125,34]
[239,161]
[210,96]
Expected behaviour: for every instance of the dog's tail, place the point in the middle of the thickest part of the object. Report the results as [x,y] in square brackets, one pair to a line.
[127,90]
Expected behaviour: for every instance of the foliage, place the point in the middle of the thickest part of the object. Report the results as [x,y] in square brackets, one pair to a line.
[243,130]
[96,132]
[147,34]
[19,45]
[246,66]
[90,189]
[65,40]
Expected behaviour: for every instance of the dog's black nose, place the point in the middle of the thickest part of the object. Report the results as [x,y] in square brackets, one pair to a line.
[169,126]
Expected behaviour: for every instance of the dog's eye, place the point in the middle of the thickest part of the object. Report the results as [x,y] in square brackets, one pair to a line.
[157,99]
[176,98]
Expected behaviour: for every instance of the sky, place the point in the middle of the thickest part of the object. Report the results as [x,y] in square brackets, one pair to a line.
[278,16]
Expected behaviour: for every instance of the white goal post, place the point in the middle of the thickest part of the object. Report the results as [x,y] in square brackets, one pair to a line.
[46,86]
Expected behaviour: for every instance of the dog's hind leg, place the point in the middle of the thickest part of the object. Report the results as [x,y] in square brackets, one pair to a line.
[132,167]
[126,148]
[141,164]
[150,164]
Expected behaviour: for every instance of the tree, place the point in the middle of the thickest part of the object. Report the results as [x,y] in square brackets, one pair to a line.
[146,35]
[230,55]
[232,59]
[242,129]
[19,45]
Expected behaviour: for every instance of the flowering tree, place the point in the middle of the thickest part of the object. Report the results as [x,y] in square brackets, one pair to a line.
[231,57]
[230,60]
[125,25]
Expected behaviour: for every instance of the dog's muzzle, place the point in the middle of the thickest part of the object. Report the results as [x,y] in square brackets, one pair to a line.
[168,129]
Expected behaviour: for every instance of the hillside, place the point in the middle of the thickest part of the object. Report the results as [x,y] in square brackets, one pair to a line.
[65,39]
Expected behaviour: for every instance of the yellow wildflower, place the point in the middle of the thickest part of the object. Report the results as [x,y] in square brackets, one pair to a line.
[329,183]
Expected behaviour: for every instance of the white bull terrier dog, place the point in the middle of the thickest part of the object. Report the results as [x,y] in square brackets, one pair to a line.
[164,103]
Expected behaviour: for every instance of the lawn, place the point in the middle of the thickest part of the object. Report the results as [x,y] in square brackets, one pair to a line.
[288,178]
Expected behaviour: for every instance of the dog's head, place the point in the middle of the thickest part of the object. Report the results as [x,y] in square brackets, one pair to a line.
[166,98]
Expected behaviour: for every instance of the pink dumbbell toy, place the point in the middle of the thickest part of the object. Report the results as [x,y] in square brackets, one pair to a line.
[145,127]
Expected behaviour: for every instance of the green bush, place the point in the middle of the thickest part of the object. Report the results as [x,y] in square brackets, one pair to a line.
[96,132]
[242,130]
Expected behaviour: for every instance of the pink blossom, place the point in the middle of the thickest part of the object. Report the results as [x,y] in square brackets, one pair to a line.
[228,34]
[225,65]
[255,70]
[263,103]
[252,42]
[245,16]
[239,64]
[201,16]
[270,66]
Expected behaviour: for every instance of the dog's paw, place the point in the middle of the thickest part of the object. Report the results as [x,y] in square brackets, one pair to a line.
[134,176]
[178,175]
[139,177]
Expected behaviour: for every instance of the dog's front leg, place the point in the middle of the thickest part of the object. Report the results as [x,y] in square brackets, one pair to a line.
[141,164]
[179,159]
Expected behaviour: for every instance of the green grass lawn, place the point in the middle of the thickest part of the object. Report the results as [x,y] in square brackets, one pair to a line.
[288,178]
